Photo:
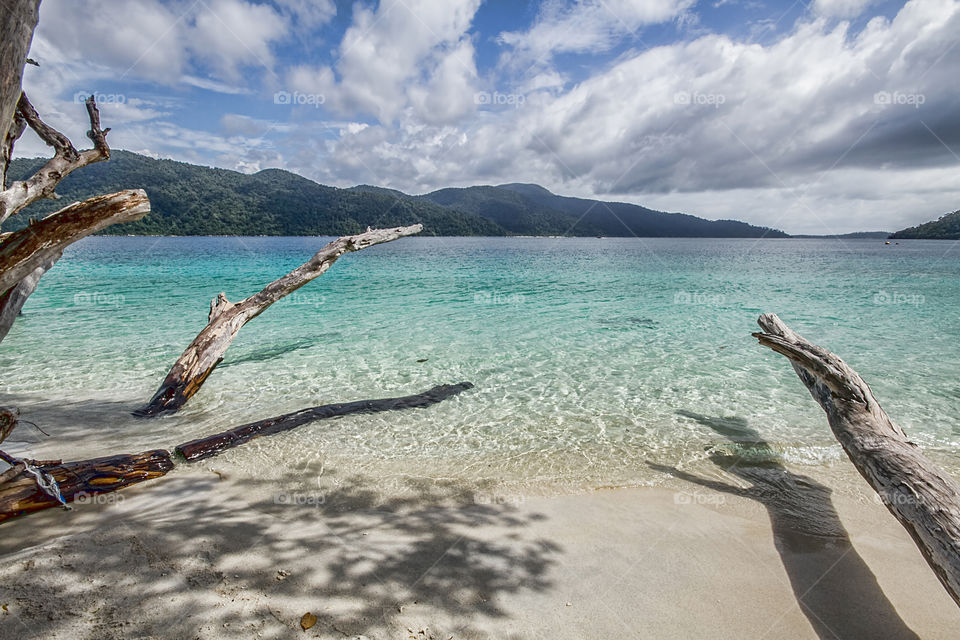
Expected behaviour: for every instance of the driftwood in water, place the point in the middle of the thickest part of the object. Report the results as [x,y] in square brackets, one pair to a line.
[925,499]
[20,495]
[212,445]
[226,318]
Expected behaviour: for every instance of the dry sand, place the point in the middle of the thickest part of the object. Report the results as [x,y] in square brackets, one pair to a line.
[197,555]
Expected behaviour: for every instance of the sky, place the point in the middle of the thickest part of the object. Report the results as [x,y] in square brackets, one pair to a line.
[827,116]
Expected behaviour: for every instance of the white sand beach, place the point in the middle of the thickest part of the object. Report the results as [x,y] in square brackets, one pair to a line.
[206,553]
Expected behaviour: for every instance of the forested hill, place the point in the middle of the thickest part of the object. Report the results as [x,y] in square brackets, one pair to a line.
[186,199]
[192,200]
[946,228]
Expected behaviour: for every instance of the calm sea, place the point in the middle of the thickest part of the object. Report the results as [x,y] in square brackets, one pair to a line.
[591,357]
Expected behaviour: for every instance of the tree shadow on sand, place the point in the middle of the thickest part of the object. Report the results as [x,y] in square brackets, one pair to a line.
[196,560]
[833,585]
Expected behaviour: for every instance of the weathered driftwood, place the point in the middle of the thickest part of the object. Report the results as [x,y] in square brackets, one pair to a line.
[23,251]
[65,160]
[226,318]
[925,499]
[20,495]
[212,445]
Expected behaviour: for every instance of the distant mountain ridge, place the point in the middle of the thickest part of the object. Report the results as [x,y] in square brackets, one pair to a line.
[947,227]
[188,199]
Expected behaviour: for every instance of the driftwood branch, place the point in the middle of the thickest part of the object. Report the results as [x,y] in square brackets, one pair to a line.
[23,251]
[20,495]
[226,319]
[65,160]
[925,499]
[212,445]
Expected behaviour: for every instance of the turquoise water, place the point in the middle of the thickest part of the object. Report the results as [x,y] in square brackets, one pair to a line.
[584,351]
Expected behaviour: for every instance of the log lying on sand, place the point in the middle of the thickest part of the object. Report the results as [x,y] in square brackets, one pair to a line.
[206,351]
[20,494]
[925,499]
[212,445]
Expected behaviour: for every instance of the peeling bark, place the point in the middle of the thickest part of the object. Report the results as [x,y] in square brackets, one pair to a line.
[206,351]
[922,497]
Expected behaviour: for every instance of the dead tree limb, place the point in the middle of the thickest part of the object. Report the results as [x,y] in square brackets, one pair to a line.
[21,495]
[226,318]
[925,499]
[212,445]
[65,160]
[21,252]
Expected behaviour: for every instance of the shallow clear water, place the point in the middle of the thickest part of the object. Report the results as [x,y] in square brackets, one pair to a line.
[588,355]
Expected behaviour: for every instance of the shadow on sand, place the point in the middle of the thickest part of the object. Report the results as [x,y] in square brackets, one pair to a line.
[833,585]
[201,560]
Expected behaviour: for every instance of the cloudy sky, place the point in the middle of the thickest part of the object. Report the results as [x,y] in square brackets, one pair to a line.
[824,116]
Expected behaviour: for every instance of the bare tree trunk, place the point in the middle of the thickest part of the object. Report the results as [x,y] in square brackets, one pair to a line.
[925,499]
[206,351]
[18,19]
[203,448]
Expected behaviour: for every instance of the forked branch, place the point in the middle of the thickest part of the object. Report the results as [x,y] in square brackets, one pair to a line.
[65,160]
